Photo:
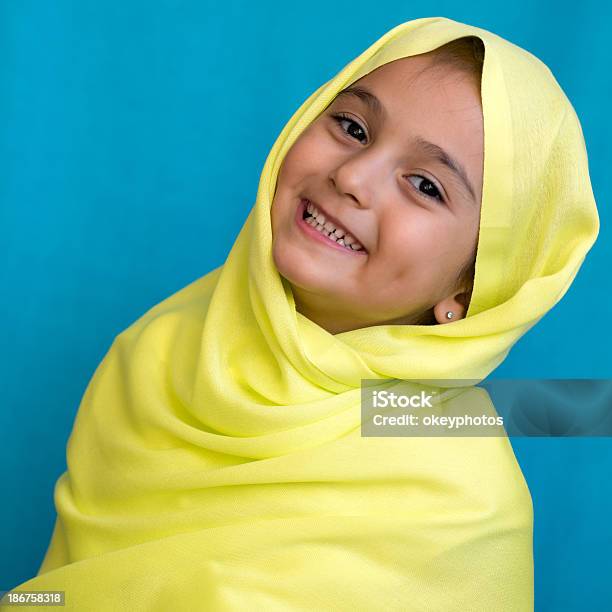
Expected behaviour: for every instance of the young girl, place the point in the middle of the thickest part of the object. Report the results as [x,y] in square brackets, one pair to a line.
[397,245]
[413,220]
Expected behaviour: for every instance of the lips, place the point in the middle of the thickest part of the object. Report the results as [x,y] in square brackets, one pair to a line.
[332,219]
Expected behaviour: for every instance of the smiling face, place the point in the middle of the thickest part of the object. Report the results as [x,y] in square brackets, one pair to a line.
[379,177]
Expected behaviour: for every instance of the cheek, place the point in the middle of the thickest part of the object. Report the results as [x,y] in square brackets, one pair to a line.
[409,234]
[307,155]
[416,248]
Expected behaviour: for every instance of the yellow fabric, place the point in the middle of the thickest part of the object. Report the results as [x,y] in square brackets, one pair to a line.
[216,461]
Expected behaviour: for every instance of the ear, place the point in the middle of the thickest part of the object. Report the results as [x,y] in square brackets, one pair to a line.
[456,303]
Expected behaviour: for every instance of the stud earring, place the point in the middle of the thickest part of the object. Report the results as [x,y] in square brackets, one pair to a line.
[449,315]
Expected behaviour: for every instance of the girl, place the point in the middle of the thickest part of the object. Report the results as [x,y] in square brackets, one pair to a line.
[413,220]
[409,240]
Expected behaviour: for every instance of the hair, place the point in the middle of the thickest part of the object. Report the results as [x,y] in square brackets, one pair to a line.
[466,54]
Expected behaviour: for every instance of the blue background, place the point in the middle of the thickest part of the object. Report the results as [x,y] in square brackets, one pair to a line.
[132,139]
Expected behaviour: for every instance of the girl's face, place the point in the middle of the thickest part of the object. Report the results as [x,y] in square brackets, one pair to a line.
[378,164]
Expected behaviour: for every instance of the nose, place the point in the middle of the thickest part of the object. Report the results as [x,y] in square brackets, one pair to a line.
[356,178]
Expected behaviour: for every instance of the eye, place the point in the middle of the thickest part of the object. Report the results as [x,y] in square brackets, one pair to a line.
[427,188]
[340,118]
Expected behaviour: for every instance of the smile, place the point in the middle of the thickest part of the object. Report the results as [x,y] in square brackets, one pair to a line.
[314,223]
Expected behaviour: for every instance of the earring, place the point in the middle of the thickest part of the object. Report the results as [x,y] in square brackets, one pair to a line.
[449,315]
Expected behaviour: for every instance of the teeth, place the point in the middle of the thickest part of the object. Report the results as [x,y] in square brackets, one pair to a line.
[322,225]
[322,220]
[330,227]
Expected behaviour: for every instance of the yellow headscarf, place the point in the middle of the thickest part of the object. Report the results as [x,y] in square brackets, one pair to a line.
[216,461]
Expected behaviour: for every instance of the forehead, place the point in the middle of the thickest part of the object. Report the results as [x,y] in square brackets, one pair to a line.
[420,77]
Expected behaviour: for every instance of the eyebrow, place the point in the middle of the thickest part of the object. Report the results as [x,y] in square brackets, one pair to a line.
[433,150]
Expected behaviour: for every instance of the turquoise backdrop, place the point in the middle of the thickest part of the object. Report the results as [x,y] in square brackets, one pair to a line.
[132,136]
